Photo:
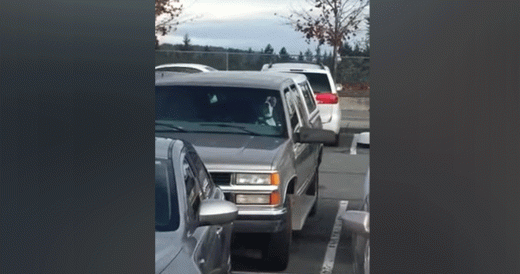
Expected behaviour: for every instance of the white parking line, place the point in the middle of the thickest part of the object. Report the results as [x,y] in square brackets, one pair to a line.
[330,254]
[353,146]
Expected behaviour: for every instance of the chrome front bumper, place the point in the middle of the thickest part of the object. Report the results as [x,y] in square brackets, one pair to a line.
[261,221]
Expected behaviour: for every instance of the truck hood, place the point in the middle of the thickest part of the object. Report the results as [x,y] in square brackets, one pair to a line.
[235,151]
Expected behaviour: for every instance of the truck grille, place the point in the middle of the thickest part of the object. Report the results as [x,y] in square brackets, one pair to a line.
[221,179]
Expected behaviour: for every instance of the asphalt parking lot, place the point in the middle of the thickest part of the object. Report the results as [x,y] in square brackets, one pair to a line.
[323,245]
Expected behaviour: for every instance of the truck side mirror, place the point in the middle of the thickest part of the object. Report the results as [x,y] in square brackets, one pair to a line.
[314,135]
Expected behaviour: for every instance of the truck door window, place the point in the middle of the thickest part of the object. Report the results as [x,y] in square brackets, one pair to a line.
[307,95]
[293,113]
[299,104]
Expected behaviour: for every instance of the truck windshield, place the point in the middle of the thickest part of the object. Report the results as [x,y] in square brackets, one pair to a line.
[220,110]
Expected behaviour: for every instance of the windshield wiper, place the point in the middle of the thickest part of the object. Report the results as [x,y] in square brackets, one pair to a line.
[168,127]
[232,126]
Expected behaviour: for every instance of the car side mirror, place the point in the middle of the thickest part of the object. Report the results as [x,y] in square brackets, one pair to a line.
[339,87]
[314,135]
[357,221]
[217,212]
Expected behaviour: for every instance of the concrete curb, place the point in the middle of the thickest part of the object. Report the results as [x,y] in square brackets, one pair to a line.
[355,104]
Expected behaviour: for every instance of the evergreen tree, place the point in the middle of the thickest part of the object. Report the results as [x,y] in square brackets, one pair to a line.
[186,42]
[284,56]
[268,49]
[318,54]
[308,55]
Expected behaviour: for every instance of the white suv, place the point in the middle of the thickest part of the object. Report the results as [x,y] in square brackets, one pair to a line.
[323,87]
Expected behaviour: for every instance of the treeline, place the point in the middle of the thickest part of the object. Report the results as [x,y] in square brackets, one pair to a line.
[353,67]
[218,57]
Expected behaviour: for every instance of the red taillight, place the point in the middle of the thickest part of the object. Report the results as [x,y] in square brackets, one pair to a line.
[326,98]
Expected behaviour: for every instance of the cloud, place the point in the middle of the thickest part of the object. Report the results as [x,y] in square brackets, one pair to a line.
[232,10]
[242,25]
[243,34]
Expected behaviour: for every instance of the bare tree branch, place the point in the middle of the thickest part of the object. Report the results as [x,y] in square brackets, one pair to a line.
[168,17]
[329,21]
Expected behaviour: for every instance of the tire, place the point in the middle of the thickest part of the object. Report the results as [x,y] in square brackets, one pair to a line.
[276,253]
[361,255]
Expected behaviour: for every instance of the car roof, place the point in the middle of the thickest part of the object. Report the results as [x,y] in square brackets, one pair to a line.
[247,79]
[297,77]
[288,66]
[199,66]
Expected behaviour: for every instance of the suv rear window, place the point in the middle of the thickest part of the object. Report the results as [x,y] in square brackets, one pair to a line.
[319,82]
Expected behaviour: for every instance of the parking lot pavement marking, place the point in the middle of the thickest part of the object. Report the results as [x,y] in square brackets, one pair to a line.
[330,254]
[353,146]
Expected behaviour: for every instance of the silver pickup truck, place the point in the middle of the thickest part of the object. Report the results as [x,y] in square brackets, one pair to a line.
[260,141]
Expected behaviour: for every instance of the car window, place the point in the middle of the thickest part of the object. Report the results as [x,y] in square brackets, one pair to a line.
[193,191]
[299,100]
[227,110]
[307,95]
[319,82]
[179,69]
[190,70]
[299,104]
[293,113]
[201,174]
[167,216]
[174,69]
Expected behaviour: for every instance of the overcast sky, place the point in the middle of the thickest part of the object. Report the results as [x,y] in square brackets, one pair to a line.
[241,24]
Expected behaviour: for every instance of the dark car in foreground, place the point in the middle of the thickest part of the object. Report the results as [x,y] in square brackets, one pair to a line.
[193,221]
[252,132]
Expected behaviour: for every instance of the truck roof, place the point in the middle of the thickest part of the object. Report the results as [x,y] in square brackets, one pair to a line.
[248,79]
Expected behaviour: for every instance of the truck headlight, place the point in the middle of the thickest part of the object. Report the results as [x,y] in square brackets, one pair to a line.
[259,199]
[257,179]
[252,199]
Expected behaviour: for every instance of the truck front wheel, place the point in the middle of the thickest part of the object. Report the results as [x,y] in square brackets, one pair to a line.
[276,253]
